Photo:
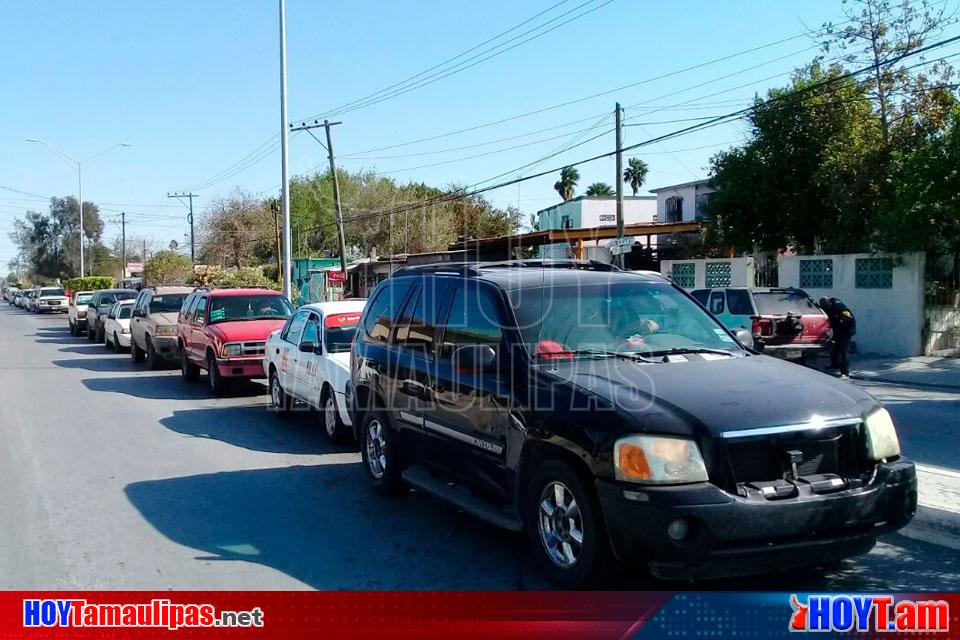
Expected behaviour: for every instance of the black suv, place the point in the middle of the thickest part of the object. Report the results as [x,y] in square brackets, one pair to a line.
[610,416]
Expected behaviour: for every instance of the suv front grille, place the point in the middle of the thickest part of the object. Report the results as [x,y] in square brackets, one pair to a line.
[258,348]
[835,450]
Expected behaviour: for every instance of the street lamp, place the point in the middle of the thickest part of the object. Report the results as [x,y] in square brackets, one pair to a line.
[79,165]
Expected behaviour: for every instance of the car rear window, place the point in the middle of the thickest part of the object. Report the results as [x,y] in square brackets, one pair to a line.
[51,292]
[85,298]
[125,311]
[784,302]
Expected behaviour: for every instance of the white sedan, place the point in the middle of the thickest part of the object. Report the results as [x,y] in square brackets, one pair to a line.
[116,329]
[308,360]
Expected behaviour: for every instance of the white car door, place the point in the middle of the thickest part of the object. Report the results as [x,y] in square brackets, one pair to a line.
[309,381]
[289,356]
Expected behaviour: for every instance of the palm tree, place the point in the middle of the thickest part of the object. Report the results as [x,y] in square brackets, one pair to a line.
[635,173]
[599,189]
[568,180]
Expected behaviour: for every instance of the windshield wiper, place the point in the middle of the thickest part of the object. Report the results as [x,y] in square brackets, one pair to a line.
[623,355]
[677,351]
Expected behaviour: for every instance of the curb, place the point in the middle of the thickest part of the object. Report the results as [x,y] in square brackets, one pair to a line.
[906,383]
[934,526]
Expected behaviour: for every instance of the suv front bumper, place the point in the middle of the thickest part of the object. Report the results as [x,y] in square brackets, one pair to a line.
[247,367]
[166,346]
[730,536]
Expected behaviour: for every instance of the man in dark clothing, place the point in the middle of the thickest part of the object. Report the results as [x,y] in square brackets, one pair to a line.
[844,327]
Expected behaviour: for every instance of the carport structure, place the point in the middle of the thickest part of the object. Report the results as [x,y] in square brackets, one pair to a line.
[511,246]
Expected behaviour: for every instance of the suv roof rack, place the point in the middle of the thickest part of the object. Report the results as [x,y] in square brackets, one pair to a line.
[476,268]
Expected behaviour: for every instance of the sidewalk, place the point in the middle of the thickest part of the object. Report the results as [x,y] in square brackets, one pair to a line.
[917,371]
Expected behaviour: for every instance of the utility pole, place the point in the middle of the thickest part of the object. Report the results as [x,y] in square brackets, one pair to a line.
[275,206]
[189,196]
[285,156]
[341,240]
[123,243]
[619,183]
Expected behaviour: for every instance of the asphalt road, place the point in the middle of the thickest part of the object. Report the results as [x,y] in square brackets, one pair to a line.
[115,477]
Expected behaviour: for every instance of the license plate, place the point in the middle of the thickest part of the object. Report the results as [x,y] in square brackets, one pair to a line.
[793,354]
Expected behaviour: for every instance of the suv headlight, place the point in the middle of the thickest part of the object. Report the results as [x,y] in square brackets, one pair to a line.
[232,349]
[658,460]
[882,440]
[166,329]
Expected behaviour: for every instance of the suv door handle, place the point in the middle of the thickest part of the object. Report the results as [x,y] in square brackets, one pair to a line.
[414,388]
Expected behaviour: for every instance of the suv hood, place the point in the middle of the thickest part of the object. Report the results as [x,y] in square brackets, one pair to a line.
[245,330]
[719,395]
[165,318]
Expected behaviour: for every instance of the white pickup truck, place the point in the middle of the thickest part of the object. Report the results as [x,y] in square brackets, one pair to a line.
[308,360]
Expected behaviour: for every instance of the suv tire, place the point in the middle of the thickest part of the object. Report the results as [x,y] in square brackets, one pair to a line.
[136,353]
[217,384]
[379,453]
[101,337]
[90,332]
[330,416]
[554,490]
[189,371]
[116,343]
[153,361]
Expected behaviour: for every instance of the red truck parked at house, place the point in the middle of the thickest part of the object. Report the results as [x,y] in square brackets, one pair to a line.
[224,331]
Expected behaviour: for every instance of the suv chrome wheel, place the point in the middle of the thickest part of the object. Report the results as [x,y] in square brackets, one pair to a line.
[560,525]
[376,446]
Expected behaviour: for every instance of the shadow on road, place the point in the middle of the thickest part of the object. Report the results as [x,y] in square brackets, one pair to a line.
[85,348]
[106,363]
[163,386]
[255,428]
[323,526]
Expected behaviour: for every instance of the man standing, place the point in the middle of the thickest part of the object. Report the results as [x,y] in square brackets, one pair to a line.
[844,327]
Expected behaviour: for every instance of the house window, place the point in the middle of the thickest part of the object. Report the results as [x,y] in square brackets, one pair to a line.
[874,273]
[718,274]
[566,222]
[674,209]
[700,206]
[684,275]
[816,274]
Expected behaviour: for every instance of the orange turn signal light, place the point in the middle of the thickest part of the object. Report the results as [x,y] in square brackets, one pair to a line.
[633,462]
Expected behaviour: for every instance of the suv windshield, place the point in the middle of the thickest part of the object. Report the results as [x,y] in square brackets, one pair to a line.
[622,317]
[254,307]
[784,302]
[51,292]
[339,329]
[108,299]
[170,302]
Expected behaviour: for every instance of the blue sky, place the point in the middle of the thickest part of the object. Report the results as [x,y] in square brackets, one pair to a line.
[192,86]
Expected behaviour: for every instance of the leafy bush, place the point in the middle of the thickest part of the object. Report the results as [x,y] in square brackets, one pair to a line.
[167,267]
[90,283]
[213,276]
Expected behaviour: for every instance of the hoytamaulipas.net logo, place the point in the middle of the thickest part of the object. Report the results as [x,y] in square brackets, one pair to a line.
[156,613]
[841,612]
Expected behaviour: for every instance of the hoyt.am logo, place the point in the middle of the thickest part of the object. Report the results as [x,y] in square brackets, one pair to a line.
[840,612]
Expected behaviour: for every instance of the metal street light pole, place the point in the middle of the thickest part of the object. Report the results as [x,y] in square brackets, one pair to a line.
[285,158]
[79,164]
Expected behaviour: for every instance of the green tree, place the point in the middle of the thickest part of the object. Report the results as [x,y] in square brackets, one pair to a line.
[167,267]
[237,231]
[569,177]
[599,189]
[635,174]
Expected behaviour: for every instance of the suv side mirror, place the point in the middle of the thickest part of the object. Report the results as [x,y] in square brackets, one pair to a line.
[745,337]
[309,347]
[138,313]
[474,357]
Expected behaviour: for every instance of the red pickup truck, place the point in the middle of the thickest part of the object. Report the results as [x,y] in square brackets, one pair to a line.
[224,331]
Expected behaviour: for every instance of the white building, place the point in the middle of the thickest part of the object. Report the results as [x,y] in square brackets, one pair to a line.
[590,212]
[683,202]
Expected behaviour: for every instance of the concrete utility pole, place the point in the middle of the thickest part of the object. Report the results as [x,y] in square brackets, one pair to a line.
[619,183]
[285,157]
[190,197]
[276,226]
[341,240]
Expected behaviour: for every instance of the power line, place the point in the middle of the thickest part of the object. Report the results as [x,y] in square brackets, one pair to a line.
[473,60]
[448,60]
